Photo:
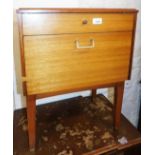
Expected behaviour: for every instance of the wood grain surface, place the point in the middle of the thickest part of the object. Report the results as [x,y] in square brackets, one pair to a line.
[57,23]
[76,10]
[54,63]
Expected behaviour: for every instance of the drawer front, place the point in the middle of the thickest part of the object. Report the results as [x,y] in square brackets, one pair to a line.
[65,62]
[58,23]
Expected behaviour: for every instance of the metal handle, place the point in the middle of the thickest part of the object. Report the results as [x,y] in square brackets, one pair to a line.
[92,44]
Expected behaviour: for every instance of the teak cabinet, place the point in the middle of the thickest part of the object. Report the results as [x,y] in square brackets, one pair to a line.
[66,50]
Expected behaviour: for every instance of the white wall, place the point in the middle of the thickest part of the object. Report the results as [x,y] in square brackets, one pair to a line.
[132,89]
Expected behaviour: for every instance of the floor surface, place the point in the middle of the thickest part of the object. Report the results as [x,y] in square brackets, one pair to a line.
[74,127]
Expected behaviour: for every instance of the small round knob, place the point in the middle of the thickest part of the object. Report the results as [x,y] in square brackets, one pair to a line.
[85,21]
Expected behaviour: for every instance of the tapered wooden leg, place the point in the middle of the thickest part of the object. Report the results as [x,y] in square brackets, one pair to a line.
[31,117]
[93,95]
[119,90]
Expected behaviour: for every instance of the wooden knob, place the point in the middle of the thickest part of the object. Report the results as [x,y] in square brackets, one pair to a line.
[85,21]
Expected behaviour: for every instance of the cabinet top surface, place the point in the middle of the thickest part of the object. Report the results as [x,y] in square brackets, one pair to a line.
[75,10]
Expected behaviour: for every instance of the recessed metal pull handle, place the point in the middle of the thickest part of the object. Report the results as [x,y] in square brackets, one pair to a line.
[92,44]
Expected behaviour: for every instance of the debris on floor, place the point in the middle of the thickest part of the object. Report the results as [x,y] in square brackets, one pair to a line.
[65,152]
[59,127]
[22,121]
[24,127]
[63,135]
[88,141]
[106,118]
[45,131]
[45,138]
[106,135]
[123,140]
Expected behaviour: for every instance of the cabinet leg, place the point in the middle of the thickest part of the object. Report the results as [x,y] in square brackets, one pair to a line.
[31,117]
[119,90]
[93,95]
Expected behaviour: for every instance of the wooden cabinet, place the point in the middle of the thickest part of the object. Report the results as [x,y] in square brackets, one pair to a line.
[66,50]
